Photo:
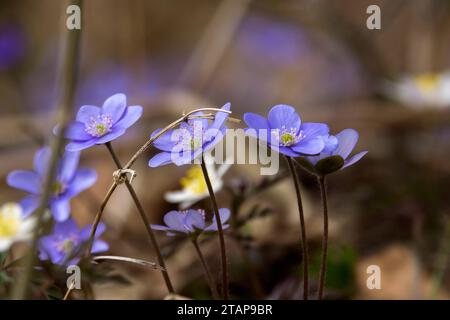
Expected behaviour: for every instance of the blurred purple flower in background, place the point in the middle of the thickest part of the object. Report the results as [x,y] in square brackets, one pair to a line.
[96,125]
[70,181]
[63,245]
[100,79]
[191,222]
[186,143]
[144,81]
[346,142]
[272,41]
[12,46]
[285,132]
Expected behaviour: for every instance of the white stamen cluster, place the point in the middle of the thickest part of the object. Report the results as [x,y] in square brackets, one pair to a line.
[99,126]
[288,137]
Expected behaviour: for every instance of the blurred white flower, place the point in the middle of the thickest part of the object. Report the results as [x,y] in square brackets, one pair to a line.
[193,184]
[13,227]
[425,90]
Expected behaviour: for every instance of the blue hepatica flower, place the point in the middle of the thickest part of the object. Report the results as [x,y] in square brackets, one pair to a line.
[65,243]
[336,155]
[191,222]
[285,132]
[96,125]
[12,46]
[186,143]
[70,181]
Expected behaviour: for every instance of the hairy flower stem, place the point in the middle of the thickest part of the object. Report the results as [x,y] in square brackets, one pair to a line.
[144,218]
[323,264]
[219,228]
[68,76]
[304,243]
[208,276]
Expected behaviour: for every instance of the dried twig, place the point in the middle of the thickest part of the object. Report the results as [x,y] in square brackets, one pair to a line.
[140,262]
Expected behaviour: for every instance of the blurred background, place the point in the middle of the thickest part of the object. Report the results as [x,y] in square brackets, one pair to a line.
[392,85]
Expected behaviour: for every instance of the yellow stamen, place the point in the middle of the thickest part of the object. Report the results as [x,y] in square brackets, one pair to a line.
[427,81]
[10,219]
[287,139]
[194,181]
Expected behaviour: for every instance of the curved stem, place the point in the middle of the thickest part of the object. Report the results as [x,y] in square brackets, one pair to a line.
[220,230]
[208,276]
[304,243]
[98,218]
[172,125]
[323,264]
[145,221]
[133,159]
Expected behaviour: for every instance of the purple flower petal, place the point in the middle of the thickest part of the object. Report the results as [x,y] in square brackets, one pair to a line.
[132,114]
[41,160]
[314,129]
[160,159]
[60,209]
[68,166]
[330,142]
[347,140]
[86,231]
[224,214]
[286,151]
[115,133]
[159,227]
[29,204]
[25,180]
[65,228]
[87,112]
[84,179]
[195,219]
[99,246]
[78,146]
[175,221]
[164,142]
[75,131]
[45,246]
[185,157]
[256,121]
[213,137]
[353,159]
[115,106]
[309,146]
[221,117]
[284,116]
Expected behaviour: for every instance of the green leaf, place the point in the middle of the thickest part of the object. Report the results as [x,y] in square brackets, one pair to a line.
[329,165]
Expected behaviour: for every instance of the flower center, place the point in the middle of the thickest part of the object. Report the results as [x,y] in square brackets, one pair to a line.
[289,137]
[67,246]
[10,220]
[191,137]
[194,181]
[427,82]
[99,126]
[58,188]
